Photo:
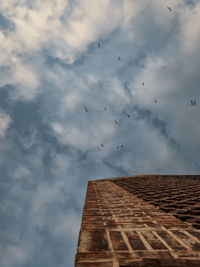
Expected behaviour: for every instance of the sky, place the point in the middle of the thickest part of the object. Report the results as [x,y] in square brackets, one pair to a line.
[51,68]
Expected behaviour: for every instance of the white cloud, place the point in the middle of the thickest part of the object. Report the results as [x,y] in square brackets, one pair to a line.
[71,101]
[54,26]
[85,137]
[22,172]
[52,166]
[12,255]
[40,24]
[5,122]
[189,18]
[26,81]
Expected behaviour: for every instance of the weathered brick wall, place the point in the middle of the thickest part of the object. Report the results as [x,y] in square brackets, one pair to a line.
[179,195]
[121,229]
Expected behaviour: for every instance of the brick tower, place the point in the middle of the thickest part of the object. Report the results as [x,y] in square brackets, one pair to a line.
[149,220]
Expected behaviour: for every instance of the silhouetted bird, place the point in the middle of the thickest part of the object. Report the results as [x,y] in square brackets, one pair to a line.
[86,109]
[193,103]
[128,115]
[143,84]
[102,145]
[99,45]
[169,8]
[119,58]
[105,108]
[155,101]
[116,122]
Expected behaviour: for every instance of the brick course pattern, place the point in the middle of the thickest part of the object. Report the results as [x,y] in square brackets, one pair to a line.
[120,227]
[179,195]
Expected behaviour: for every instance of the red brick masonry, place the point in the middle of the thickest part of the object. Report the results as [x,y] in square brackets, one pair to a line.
[120,228]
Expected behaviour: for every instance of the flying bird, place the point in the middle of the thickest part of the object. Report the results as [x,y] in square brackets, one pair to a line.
[118,147]
[102,145]
[155,101]
[128,115]
[99,45]
[105,108]
[193,102]
[169,8]
[119,58]
[143,84]
[86,109]
[116,122]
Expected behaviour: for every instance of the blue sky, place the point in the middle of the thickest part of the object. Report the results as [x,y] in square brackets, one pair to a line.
[51,68]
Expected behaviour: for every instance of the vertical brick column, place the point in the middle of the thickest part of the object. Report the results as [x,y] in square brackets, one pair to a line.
[121,229]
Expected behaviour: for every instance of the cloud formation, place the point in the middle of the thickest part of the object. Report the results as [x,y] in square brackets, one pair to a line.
[4,123]
[142,75]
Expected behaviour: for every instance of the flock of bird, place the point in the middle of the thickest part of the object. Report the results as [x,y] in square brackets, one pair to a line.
[116,123]
[192,101]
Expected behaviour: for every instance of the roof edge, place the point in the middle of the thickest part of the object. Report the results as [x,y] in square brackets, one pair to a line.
[149,175]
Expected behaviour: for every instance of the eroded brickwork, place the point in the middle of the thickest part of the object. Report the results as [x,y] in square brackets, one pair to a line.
[121,229]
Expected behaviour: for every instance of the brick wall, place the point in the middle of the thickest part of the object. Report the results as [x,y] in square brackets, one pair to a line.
[122,228]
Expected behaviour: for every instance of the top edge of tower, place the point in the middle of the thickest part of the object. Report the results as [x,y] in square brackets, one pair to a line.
[193,176]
